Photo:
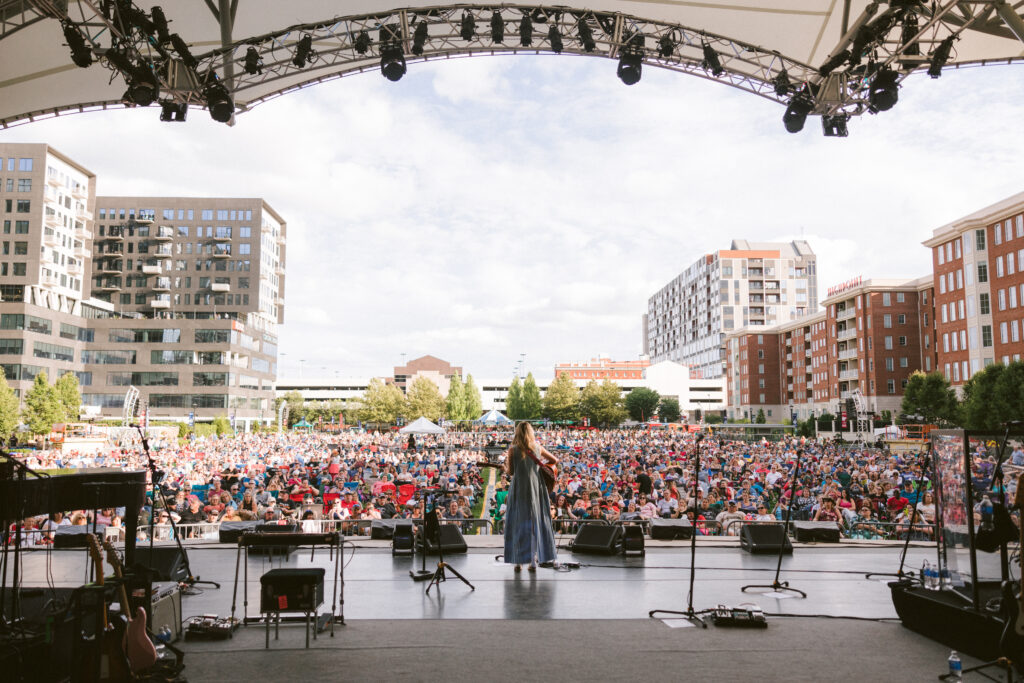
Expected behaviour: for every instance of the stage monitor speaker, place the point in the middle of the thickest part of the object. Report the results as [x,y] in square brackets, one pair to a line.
[632,539]
[816,532]
[402,539]
[230,532]
[598,539]
[452,541]
[285,550]
[670,529]
[167,561]
[765,539]
[70,536]
[382,529]
[292,590]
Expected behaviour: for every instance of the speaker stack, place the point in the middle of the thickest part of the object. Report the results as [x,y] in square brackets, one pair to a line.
[452,541]
[816,532]
[764,539]
[598,539]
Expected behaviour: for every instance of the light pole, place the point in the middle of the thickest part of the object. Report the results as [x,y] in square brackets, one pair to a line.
[301,361]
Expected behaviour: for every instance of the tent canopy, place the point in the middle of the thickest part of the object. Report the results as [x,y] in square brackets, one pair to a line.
[259,49]
[421,426]
[492,417]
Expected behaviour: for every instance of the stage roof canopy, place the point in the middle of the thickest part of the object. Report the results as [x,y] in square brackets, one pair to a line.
[201,55]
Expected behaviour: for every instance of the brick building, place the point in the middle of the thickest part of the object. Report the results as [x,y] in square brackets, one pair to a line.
[602,368]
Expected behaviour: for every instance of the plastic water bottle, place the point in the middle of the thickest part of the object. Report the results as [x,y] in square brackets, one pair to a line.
[955,667]
[932,580]
[926,569]
[945,579]
[986,514]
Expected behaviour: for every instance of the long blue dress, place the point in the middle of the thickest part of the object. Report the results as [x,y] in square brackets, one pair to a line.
[528,532]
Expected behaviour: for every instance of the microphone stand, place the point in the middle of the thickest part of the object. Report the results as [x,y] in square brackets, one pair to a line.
[776,585]
[690,614]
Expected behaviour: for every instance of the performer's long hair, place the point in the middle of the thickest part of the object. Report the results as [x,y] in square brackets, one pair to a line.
[524,439]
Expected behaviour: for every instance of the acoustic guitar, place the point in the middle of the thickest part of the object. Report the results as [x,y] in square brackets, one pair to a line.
[1011,642]
[113,664]
[138,648]
[548,471]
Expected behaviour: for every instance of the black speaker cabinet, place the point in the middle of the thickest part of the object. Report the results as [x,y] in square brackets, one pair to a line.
[765,539]
[230,532]
[382,529]
[285,550]
[816,532]
[71,536]
[292,590]
[632,539]
[166,561]
[598,539]
[670,529]
[402,539]
[452,541]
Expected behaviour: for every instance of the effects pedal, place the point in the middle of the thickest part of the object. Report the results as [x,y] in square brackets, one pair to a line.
[210,627]
[745,616]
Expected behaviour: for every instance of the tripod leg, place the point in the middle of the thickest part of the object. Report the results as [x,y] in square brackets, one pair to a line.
[459,576]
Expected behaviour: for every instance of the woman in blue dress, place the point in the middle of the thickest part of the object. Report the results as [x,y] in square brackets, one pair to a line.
[529,538]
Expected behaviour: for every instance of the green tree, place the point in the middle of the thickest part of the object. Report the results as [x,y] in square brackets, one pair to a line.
[456,400]
[474,403]
[994,397]
[532,404]
[382,403]
[69,395]
[713,418]
[8,408]
[760,419]
[603,403]
[296,407]
[642,403]
[929,396]
[424,400]
[514,400]
[222,425]
[562,399]
[42,407]
[668,409]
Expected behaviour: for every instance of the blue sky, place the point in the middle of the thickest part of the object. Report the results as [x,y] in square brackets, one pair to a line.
[483,208]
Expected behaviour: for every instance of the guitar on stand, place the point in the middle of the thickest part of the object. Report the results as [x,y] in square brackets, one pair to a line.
[1011,643]
[138,648]
[113,663]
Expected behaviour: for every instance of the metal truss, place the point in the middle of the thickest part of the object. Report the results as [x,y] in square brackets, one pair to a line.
[17,14]
[898,37]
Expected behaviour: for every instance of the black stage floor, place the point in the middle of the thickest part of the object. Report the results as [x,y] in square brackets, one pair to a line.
[581,624]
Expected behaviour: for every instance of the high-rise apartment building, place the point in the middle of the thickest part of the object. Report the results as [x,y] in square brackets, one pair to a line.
[750,284]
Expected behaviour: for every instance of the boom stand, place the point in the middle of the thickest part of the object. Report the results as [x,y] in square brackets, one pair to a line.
[423,574]
[693,616]
[432,529]
[900,574]
[777,585]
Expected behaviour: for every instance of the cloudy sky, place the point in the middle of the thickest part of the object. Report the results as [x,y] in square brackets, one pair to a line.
[484,208]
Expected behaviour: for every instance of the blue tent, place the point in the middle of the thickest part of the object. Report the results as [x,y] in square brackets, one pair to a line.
[493,417]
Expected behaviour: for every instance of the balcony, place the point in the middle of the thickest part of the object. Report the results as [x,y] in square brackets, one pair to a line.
[221,251]
[848,354]
[52,220]
[49,281]
[83,214]
[152,269]
[279,269]
[163,251]
[220,287]
[144,220]
[846,314]
[160,302]
[108,266]
[75,268]
[847,375]
[50,238]
[80,192]
[113,235]
[847,334]
[53,180]
[222,237]
[108,286]
[846,394]
[164,233]
[162,284]
[789,356]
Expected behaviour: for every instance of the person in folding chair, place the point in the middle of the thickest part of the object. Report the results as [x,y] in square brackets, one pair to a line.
[529,538]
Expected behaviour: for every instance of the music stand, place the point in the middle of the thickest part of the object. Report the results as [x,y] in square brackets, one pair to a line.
[432,531]
[777,585]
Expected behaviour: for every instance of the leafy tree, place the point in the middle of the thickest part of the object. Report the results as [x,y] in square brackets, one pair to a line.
[805,428]
[474,404]
[382,403]
[994,397]
[8,408]
[603,403]
[713,418]
[42,407]
[456,400]
[930,396]
[69,395]
[296,407]
[532,404]
[886,417]
[642,403]
[424,400]
[760,419]
[514,400]
[222,425]
[562,399]
[668,409]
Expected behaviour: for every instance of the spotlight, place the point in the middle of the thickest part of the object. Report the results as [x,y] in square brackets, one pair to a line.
[468,28]
[304,51]
[143,87]
[218,102]
[362,43]
[630,67]
[666,47]
[834,63]
[392,62]
[526,31]
[181,47]
[160,23]
[253,61]
[781,83]
[173,111]
[555,38]
[81,55]
[907,33]
[939,57]
[885,90]
[711,61]
[419,38]
[497,28]
[586,35]
[134,17]
[835,126]
[796,113]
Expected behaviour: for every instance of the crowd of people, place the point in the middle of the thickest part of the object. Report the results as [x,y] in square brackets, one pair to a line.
[608,475]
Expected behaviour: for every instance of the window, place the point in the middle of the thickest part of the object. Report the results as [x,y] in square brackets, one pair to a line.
[997,236]
[904,362]
[888,342]
[959,278]
[887,320]
[24,185]
[886,298]
[979,239]
[986,336]
[889,364]
[245,232]
[108,357]
[24,206]
[168,357]
[1002,299]
[891,386]
[21,248]
[12,347]
[244,248]
[24,165]
[207,214]
[1004,333]
[18,269]
[983,304]
[53,352]
[903,341]
[999,266]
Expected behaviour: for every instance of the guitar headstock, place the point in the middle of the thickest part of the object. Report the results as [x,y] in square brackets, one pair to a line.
[113,558]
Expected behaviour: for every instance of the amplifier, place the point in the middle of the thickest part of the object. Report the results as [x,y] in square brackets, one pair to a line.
[165,611]
[292,590]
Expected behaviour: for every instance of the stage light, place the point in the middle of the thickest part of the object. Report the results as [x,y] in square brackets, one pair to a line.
[796,113]
[781,83]
[362,43]
[885,90]
[468,27]
[392,62]
[304,51]
[160,24]
[666,47]
[143,87]
[181,47]
[586,35]
[835,126]
[253,61]
[497,28]
[419,38]
[218,102]
[630,67]
[834,63]
[555,38]
[526,31]
[941,56]
[907,33]
[81,55]
[134,17]
[711,61]
[173,111]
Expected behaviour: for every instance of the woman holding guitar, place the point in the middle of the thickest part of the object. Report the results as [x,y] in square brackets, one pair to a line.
[529,538]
